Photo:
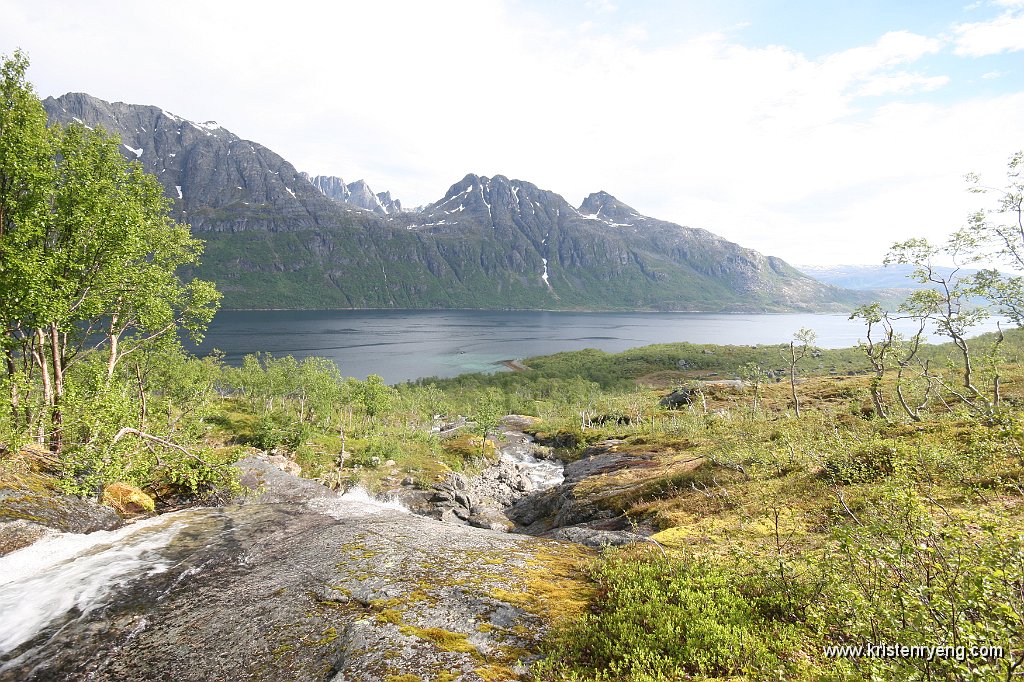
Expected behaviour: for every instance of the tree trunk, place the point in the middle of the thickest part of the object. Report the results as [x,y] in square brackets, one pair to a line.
[792,377]
[57,353]
[876,396]
[12,372]
[142,396]
[113,339]
[39,353]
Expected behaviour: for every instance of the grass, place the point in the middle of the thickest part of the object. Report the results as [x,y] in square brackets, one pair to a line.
[769,523]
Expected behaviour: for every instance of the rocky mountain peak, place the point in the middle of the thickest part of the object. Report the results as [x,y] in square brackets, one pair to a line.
[356,194]
[605,207]
[214,177]
[499,202]
[332,187]
[390,205]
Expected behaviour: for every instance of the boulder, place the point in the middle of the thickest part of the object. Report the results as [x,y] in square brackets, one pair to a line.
[126,499]
[491,519]
[33,499]
[677,398]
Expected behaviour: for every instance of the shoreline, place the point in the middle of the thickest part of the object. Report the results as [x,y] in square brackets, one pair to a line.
[602,311]
[514,365]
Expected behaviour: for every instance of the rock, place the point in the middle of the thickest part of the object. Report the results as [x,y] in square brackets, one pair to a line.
[284,464]
[520,422]
[21,533]
[596,538]
[561,507]
[266,483]
[491,519]
[35,501]
[295,591]
[456,481]
[677,398]
[408,481]
[127,499]
[463,500]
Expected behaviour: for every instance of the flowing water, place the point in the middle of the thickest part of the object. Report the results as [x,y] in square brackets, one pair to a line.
[67,580]
[544,473]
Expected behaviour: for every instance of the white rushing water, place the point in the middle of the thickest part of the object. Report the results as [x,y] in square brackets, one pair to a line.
[356,502]
[44,581]
[545,473]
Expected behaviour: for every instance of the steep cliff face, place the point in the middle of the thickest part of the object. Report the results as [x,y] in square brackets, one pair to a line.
[279,238]
[217,180]
[356,194]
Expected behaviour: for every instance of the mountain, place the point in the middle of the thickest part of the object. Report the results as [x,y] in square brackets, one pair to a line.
[356,194]
[277,238]
[867,277]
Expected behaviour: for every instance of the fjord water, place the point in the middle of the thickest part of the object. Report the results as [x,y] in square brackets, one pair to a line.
[407,345]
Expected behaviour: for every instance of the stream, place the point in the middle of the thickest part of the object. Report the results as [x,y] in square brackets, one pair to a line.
[70,582]
[276,588]
[521,451]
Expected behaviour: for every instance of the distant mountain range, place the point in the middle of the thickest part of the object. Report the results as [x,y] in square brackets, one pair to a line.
[868,277]
[278,238]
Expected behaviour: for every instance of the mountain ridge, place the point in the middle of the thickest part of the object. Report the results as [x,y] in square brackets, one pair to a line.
[277,238]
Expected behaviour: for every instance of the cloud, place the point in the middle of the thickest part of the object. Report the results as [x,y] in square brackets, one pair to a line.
[602,6]
[1005,33]
[815,160]
[901,82]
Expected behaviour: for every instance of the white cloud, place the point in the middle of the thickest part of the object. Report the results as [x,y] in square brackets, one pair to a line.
[603,6]
[1005,33]
[901,81]
[808,159]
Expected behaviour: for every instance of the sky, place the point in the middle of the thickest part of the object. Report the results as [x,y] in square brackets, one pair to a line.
[817,131]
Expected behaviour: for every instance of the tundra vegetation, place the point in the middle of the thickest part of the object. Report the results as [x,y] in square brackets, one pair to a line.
[833,497]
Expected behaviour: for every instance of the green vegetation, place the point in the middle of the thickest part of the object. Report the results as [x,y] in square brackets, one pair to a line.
[92,305]
[801,499]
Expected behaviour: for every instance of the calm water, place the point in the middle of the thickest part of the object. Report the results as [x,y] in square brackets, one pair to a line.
[402,345]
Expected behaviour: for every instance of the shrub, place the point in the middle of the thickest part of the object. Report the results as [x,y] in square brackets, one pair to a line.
[867,463]
[661,619]
[901,577]
[267,433]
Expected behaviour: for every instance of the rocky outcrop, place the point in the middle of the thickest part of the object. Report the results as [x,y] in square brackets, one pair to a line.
[478,501]
[357,194]
[297,583]
[567,512]
[30,509]
[513,496]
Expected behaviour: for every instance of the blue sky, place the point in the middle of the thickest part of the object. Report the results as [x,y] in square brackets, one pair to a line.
[819,132]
